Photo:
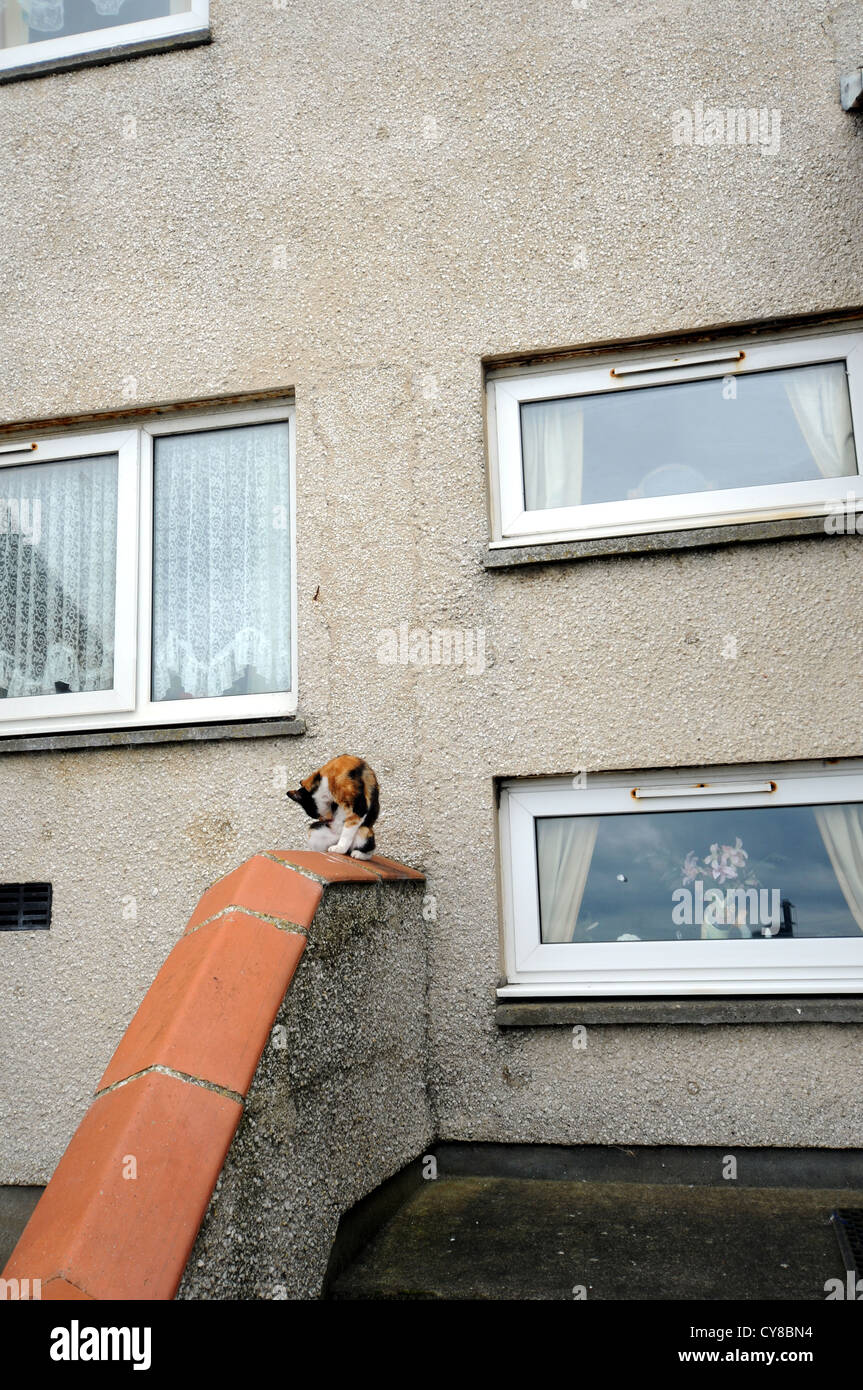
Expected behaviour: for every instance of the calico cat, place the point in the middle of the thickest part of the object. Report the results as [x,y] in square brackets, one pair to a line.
[343,799]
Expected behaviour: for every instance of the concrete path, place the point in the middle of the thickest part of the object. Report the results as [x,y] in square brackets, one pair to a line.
[510,1238]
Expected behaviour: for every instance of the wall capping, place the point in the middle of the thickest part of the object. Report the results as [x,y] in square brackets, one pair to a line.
[173,1095]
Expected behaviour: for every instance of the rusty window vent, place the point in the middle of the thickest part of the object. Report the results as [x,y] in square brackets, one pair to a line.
[25,906]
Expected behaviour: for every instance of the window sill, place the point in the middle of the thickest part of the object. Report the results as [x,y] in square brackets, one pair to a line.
[98,57]
[130,738]
[656,542]
[597,1013]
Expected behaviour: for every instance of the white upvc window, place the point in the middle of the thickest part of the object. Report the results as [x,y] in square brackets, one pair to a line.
[731,881]
[147,574]
[632,443]
[44,31]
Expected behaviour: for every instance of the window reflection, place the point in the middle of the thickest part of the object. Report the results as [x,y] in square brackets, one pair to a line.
[702,875]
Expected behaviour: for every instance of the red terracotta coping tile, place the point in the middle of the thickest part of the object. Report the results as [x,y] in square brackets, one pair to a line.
[333,868]
[98,1234]
[210,1009]
[341,868]
[62,1289]
[116,1237]
[390,869]
[261,885]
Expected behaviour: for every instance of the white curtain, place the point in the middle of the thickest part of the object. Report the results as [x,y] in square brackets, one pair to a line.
[552,435]
[842,832]
[819,399]
[222,563]
[564,852]
[58,542]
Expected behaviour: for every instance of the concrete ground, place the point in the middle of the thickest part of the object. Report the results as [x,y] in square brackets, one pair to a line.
[492,1237]
[481,1237]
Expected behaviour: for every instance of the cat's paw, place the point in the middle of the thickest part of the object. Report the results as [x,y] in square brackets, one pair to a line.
[359,854]
[336,849]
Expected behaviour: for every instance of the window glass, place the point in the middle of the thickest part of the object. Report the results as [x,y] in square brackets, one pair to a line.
[222,563]
[58,560]
[33,21]
[783,426]
[702,875]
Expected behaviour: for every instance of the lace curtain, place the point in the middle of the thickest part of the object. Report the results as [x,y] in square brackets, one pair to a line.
[58,542]
[222,563]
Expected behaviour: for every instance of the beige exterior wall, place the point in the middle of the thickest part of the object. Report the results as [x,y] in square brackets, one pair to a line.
[447,183]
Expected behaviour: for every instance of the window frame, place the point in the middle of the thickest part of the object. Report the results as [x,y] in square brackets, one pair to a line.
[117,37]
[507,388]
[814,965]
[133,706]
[121,697]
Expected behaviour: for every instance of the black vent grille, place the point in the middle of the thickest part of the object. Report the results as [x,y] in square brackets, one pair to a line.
[848,1224]
[25,906]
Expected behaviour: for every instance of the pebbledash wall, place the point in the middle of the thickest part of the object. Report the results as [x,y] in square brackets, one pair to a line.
[361,202]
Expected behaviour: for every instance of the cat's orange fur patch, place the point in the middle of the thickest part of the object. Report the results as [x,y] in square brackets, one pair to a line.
[339,774]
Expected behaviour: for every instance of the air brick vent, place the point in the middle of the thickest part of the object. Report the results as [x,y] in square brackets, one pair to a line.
[25,906]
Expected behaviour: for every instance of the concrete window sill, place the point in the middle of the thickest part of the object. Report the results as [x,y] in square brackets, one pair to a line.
[595,1013]
[656,542]
[133,738]
[106,55]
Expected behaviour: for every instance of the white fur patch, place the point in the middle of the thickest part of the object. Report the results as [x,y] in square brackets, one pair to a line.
[323,800]
[335,837]
[322,837]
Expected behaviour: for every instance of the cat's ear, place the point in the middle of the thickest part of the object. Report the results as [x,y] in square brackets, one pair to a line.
[296,795]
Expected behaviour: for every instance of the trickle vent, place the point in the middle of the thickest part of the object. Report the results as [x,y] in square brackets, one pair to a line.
[25,906]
